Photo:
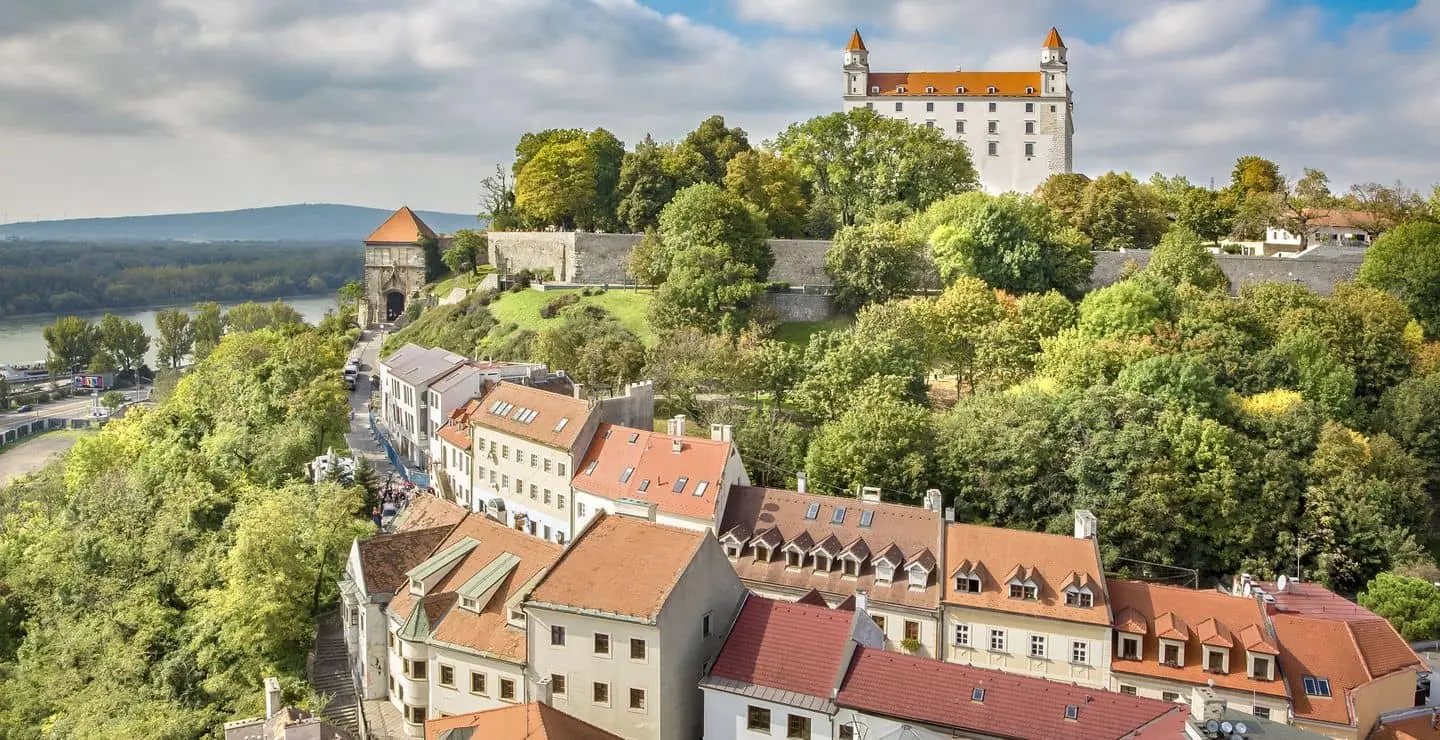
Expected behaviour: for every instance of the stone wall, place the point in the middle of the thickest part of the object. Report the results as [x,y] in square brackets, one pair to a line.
[1319,274]
[794,306]
[601,259]
[514,251]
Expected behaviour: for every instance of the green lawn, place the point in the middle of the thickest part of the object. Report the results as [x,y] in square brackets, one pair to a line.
[627,306]
[798,333]
[442,288]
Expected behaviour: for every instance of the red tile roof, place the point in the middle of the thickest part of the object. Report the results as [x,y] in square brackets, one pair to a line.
[1053,561]
[786,646]
[385,558]
[1422,727]
[430,511]
[939,693]
[950,84]
[1052,40]
[1169,611]
[544,427]
[655,469]
[1313,600]
[778,517]
[533,721]
[856,43]
[403,227]
[1347,653]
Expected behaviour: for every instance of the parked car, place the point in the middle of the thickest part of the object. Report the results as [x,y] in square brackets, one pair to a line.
[27,408]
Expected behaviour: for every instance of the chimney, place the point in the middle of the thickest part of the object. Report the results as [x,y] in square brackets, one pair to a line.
[1085,524]
[676,445]
[273,698]
[800,481]
[579,390]
[679,422]
[1205,705]
[862,601]
[727,433]
[716,432]
[870,494]
[1246,583]
[949,513]
[544,692]
[934,500]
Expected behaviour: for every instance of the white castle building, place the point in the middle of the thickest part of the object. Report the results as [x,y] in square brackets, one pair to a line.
[1018,125]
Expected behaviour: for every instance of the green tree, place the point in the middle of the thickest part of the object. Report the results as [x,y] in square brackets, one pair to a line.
[771,186]
[772,367]
[176,336]
[1301,204]
[878,441]
[1117,212]
[593,347]
[112,400]
[645,186]
[1124,310]
[348,297]
[1012,242]
[252,316]
[1182,259]
[1390,206]
[709,289]
[705,216]
[124,342]
[1208,213]
[718,145]
[1255,174]
[1175,380]
[557,184]
[1063,192]
[1410,604]
[497,202]
[1405,261]
[73,343]
[858,160]
[208,326]
[840,365]
[469,252]
[873,263]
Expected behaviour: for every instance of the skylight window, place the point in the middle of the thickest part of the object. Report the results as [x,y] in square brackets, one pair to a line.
[839,517]
[866,517]
[561,424]
[679,485]
[1317,686]
[519,413]
[977,693]
[1072,711]
[607,433]
[634,437]
[495,407]
[701,486]
[591,467]
[625,476]
[813,511]
[645,485]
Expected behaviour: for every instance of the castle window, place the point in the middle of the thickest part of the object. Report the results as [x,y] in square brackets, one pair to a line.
[959,127]
[930,90]
[1029,128]
[875,90]
[990,89]
[930,107]
[1029,91]
[960,107]
[899,107]
[1029,107]
[1029,148]
[994,149]
[994,127]
[960,90]
[993,107]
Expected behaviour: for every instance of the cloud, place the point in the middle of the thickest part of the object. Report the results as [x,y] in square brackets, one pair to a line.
[386,101]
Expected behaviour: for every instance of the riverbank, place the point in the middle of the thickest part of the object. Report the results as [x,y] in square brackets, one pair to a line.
[92,312]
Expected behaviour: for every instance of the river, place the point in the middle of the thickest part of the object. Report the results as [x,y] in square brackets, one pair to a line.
[22,338]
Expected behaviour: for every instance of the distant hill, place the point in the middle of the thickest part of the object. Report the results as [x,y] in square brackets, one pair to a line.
[300,222]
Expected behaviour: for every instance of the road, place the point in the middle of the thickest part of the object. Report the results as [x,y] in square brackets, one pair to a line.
[31,455]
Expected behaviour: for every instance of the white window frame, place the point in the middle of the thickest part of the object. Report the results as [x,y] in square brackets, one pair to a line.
[1039,646]
[998,640]
[1079,652]
[962,635]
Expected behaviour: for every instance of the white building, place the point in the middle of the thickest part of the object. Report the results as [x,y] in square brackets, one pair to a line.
[623,626]
[405,410]
[1327,226]
[668,478]
[452,464]
[1018,125]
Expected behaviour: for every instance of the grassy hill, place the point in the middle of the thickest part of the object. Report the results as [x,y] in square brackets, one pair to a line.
[626,306]
[299,222]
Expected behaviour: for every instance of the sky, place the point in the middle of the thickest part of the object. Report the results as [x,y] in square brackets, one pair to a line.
[121,107]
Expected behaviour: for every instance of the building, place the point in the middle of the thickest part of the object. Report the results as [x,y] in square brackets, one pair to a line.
[394,267]
[1326,226]
[1018,126]
[281,722]
[455,630]
[374,571]
[781,669]
[1422,723]
[668,478]
[405,409]
[784,544]
[452,468]
[1028,602]
[1169,640]
[890,695]
[1210,719]
[624,624]
[527,442]
[532,721]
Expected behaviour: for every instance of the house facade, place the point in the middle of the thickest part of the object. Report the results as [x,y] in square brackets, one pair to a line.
[677,480]
[452,464]
[1326,226]
[784,544]
[621,629]
[405,409]
[1018,126]
[1028,602]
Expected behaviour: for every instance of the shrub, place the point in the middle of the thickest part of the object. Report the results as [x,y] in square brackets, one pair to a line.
[910,644]
[554,306]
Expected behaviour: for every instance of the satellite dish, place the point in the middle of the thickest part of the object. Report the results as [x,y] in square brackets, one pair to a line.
[1241,728]
[1212,726]
[1281,582]
[1226,727]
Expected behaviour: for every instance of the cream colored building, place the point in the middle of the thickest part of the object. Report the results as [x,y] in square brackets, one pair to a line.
[405,410]
[622,628]
[1028,602]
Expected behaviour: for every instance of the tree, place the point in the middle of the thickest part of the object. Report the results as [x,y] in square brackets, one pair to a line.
[703,216]
[73,343]
[469,252]
[858,160]
[1182,259]
[1208,213]
[1254,174]
[1405,261]
[177,336]
[4,393]
[773,367]
[208,326]
[771,186]
[1175,380]
[112,400]
[1390,206]
[955,324]
[593,348]
[1124,310]
[1117,212]
[840,365]
[1301,204]
[557,184]
[609,154]
[252,316]
[1014,243]
[1410,604]
[123,342]
[878,441]
[873,263]
[717,145]
[497,201]
[645,186]
[1063,192]
[708,288]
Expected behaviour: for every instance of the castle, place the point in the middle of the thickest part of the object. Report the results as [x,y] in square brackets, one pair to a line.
[394,267]
[1018,125]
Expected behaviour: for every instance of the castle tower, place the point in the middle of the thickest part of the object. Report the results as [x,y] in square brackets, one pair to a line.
[394,267]
[1055,84]
[1054,64]
[857,66]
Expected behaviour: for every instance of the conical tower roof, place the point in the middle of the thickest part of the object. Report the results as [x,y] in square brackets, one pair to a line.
[856,43]
[404,227]
[1053,41]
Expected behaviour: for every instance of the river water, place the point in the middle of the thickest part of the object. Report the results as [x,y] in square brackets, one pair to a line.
[22,338]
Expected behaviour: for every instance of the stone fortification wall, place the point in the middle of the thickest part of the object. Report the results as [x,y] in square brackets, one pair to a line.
[799,261]
[1319,274]
[514,251]
[794,306]
[601,259]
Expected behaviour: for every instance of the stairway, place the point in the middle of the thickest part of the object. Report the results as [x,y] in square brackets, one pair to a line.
[330,675]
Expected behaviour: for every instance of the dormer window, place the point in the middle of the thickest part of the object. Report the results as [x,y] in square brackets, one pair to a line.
[875,90]
[900,89]
[960,90]
[417,588]
[469,604]
[822,563]
[1024,590]
[851,567]
[794,559]
[1217,660]
[1079,597]
[1172,653]
[1130,648]
[1029,91]
[1260,667]
[884,572]
[967,584]
[930,90]
[990,89]
[762,553]
[732,549]
[919,577]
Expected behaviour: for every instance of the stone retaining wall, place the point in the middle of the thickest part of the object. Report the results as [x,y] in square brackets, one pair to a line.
[1319,274]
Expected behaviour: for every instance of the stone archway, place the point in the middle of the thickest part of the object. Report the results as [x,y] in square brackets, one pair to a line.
[394,305]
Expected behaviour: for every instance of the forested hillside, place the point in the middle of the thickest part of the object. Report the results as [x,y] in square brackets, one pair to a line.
[59,277]
[290,223]
[150,582]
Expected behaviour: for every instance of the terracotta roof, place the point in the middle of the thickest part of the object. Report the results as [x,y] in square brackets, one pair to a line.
[1131,621]
[1170,610]
[939,693]
[786,646]
[533,721]
[778,517]
[856,43]
[655,470]
[620,565]
[456,429]
[1052,40]
[1052,560]
[1347,653]
[429,511]
[543,424]
[403,227]
[1422,727]
[1313,600]
[386,557]
[949,84]
[1343,219]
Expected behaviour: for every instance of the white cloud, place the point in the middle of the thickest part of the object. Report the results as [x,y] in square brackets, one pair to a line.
[154,105]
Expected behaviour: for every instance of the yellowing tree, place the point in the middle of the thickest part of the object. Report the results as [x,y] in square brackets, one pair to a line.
[557,184]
